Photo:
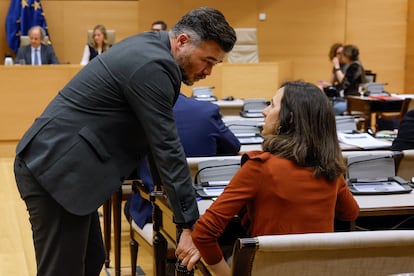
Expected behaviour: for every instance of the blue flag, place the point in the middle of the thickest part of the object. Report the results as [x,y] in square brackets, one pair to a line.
[22,15]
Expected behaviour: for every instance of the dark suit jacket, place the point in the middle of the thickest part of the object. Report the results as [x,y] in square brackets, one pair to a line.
[99,126]
[46,52]
[405,137]
[202,133]
[201,129]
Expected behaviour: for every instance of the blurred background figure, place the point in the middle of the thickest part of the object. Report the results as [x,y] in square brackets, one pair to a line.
[405,136]
[335,56]
[158,25]
[352,77]
[37,52]
[97,46]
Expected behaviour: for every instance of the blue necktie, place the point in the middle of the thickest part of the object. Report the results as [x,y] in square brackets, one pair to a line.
[36,57]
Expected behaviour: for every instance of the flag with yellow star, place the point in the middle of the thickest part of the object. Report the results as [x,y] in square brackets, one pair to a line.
[22,15]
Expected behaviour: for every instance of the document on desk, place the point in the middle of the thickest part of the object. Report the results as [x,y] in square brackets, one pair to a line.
[362,140]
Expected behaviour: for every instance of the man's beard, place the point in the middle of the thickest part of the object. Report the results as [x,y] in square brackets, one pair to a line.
[185,66]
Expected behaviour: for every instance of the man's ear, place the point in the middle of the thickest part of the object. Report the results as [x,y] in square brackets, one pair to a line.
[182,39]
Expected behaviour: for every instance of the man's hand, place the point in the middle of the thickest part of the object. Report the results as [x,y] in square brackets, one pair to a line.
[186,251]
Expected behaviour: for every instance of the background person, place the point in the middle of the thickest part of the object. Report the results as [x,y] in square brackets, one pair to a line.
[202,132]
[36,53]
[294,185]
[405,135]
[97,46]
[335,56]
[353,76]
[158,25]
[94,133]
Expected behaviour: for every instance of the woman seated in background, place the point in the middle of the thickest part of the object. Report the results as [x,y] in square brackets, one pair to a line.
[295,185]
[335,56]
[352,77]
[97,46]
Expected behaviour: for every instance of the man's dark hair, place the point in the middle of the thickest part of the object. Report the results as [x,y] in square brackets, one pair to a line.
[206,24]
[160,22]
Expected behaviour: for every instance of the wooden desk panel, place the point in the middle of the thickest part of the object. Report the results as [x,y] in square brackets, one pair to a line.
[25,91]
[246,80]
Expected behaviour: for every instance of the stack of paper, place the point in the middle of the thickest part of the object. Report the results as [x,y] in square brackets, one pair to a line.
[362,140]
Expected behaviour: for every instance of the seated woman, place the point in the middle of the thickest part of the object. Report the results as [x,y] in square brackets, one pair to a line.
[97,46]
[352,77]
[295,185]
[335,56]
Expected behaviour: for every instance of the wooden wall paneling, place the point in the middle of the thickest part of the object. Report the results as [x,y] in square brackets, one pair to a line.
[26,93]
[300,30]
[159,10]
[259,80]
[4,8]
[409,56]
[303,31]
[72,19]
[54,14]
[380,33]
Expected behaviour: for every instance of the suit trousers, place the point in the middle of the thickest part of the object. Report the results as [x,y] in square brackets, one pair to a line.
[65,244]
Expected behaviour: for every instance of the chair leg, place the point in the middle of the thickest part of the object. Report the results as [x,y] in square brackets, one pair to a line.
[107,230]
[116,201]
[133,246]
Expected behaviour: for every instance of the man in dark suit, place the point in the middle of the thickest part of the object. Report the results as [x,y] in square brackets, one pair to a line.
[405,136]
[36,53]
[94,133]
[202,132]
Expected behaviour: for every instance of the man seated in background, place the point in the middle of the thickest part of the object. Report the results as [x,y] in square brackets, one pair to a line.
[405,136]
[36,53]
[158,25]
[202,132]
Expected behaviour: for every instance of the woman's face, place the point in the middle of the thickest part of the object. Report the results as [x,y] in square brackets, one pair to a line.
[271,113]
[98,37]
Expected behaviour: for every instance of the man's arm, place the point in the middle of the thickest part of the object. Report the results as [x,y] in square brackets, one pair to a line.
[151,93]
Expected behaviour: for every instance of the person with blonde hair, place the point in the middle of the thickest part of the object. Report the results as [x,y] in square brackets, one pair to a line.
[97,45]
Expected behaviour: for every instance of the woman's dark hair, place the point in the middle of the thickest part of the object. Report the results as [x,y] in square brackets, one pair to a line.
[206,24]
[351,52]
[307,131]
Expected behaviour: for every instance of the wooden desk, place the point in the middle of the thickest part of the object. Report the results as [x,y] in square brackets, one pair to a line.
[230,108]
[370,206]
[25,91]
[370,106]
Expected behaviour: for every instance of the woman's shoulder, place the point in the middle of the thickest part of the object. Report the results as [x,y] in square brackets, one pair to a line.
[257,155]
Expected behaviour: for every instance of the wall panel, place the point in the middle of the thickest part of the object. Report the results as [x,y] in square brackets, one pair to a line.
[380,33]
[409,57]
[299,30]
